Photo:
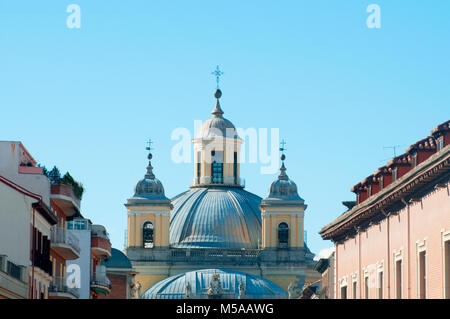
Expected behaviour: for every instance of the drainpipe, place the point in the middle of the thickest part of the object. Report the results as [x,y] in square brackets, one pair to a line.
[408,246]
[32,255]
[388,255]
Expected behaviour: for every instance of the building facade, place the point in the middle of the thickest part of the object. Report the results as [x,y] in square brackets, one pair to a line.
[34,216]
[216,225]
[395,243]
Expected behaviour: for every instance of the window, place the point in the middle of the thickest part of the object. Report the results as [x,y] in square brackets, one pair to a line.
[366,287]
[199,166]
[217,173]
[398,279]
[354,289]
[344,292]
[441,143]
[147,234]
[422,275]
[235,167]
[77,224]
[380,285]
[283,235]
[447,268]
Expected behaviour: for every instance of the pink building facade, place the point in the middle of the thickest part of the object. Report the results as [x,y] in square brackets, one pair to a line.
[395,242]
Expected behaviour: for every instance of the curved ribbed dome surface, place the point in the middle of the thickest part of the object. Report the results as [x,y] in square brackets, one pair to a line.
[174,287]
[215,217]
[217,127]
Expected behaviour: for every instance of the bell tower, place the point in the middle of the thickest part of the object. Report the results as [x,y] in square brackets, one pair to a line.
[217,149]
[148,212]
[282,214]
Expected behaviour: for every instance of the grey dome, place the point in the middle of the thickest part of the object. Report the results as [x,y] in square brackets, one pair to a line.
[283,188]
[217,126]
[215,217]
[149,187]
[253,287]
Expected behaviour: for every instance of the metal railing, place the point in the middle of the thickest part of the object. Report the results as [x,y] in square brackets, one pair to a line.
[215,253]
[13,270]
[60,235]
[226,181]
[100,279]
[59,284]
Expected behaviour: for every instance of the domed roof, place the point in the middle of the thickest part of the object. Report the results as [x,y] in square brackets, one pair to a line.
[217,126]
[117,260]
[149,187]
[232,284]
[283,188]
[215,217]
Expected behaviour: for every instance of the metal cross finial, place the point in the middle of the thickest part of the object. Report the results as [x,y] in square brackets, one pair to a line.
[149,143]
[217,73]
[282,146]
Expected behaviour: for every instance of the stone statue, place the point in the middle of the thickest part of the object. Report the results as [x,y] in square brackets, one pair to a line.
[138,288]
[187,290]
[215,287]
[241,290]
[291,291]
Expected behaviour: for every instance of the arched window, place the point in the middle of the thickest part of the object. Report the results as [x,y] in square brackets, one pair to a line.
[283,235]
[147,234]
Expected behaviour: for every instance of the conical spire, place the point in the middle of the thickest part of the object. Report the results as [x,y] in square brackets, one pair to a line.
[217,112]
[283,174]
[150,174]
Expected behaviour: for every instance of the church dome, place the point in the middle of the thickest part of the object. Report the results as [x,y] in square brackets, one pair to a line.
[230,285]
[149,187]
[217,126]
[215,217]
[283,188]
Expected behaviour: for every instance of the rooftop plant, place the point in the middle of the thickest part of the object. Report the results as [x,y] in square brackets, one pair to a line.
[55,178]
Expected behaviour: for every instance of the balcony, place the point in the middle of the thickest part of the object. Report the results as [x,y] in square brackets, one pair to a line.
[100,283]
[43,262]
[64,243]
[100,244]
[58,289]
[30,170]
[63,196]
[13,279]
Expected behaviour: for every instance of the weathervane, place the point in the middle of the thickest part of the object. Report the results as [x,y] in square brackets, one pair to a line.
[282,146]
[149,147]
[217,73]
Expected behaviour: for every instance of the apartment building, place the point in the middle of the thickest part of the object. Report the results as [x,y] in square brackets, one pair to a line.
[395,242]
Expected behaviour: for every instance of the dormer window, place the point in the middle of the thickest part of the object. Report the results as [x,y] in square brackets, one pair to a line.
[440,143]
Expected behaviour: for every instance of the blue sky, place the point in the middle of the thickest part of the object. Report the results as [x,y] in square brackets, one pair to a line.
[87,100]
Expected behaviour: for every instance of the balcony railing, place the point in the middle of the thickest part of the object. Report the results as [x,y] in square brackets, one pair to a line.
[226,181]
[15,271]
[100,283]
[65,198]
[59,286]
[61,237]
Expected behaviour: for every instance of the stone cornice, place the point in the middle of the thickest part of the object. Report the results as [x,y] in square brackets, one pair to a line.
[437,165]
